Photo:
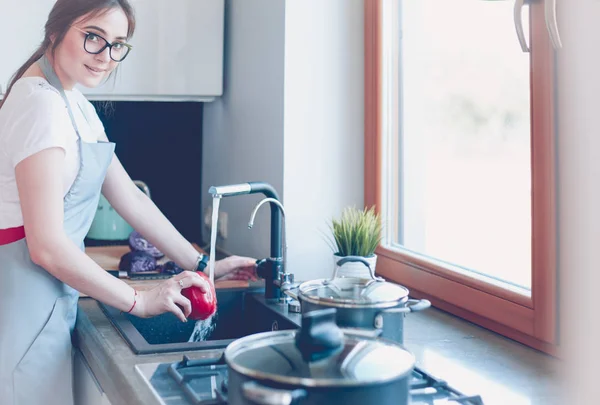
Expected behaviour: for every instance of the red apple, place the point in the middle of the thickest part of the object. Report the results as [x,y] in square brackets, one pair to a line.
[204,305]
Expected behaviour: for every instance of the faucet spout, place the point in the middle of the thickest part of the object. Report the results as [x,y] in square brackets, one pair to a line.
[230,190]
[265,200]
[284,236]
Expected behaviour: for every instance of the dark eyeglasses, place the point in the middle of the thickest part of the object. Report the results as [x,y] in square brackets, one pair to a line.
[95,44]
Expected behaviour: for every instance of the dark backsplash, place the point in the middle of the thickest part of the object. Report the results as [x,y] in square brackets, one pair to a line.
[160,143]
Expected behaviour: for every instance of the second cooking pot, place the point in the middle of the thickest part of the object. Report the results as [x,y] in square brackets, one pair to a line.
[317,364]
[370,307]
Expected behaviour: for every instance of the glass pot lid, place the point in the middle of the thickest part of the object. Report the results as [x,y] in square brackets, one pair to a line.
[353,292]
[318,354]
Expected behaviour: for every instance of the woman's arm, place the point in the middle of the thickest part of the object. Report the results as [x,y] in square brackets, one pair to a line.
[39,181]
[145,217]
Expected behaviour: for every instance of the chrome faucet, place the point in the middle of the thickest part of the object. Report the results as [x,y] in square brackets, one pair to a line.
[270,268]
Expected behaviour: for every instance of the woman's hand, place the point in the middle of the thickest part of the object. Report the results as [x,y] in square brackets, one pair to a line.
[235,268]
[167,297]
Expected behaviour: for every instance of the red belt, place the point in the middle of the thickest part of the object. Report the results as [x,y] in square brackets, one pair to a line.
[11,235]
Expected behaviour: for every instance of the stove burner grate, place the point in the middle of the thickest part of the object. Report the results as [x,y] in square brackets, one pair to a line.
[204,382]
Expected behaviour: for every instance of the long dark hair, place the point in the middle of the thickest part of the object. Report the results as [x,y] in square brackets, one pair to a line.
[62,15]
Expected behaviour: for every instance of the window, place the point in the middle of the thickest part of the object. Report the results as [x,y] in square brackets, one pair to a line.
[459,159]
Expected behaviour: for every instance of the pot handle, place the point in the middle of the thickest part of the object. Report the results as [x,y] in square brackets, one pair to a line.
[289,290]
[412,305]
[362,333]
[319,336]
[351,259]
[262,395]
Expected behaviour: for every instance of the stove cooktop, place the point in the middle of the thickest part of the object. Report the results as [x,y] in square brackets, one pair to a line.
[204,382]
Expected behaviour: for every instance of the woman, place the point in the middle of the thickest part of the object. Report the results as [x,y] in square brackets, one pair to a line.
[55,162]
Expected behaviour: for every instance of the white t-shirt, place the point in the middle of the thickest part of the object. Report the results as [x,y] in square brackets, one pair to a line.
[33,118]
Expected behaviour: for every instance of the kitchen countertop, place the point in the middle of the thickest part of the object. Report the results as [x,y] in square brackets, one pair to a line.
[478,361]
[470,358]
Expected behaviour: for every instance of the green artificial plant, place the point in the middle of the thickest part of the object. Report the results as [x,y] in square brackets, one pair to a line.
[357,232]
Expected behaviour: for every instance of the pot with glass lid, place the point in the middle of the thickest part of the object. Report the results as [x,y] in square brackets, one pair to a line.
[317,364]
[370,307]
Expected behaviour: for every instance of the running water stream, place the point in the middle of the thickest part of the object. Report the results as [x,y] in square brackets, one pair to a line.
[204,328]
[213,238]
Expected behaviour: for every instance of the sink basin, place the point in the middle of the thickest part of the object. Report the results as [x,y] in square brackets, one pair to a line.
[238,315]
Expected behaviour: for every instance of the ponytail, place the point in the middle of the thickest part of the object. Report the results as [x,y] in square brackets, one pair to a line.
[36,55]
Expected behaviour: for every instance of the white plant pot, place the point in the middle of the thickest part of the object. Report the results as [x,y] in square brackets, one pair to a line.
[354,269]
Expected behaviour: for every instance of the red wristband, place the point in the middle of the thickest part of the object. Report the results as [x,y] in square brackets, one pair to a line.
[134,301]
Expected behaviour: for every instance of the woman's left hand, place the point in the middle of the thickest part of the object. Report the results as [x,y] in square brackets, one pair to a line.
[235,268]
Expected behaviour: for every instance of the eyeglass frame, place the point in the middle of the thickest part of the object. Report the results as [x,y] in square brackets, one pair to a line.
[107,45]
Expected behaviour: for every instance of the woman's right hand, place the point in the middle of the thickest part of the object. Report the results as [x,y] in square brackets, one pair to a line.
[167,297]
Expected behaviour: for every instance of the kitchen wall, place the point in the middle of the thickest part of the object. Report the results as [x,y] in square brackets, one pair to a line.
[579,190]
[291,115]
[161,144]
[243,130]
[324,126]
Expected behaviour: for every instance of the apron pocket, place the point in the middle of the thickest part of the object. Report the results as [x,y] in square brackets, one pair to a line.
[44,373]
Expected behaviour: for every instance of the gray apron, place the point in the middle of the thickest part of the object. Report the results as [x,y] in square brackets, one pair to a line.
[38,311]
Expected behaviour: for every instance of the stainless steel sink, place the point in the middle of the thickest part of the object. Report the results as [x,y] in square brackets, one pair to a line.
[239,313]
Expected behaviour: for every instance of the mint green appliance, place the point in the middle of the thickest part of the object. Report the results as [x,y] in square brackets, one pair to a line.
[108,224]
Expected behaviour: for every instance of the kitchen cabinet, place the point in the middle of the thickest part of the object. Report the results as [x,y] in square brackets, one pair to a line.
[86,389]
[22,31]
[177,49]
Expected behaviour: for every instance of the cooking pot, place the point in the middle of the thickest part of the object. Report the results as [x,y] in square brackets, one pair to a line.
[317,364]
[108,224]
[370,307]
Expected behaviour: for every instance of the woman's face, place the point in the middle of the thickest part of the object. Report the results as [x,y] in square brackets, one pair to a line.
[73,64]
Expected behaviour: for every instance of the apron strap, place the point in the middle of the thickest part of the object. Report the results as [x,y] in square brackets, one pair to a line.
[55,82]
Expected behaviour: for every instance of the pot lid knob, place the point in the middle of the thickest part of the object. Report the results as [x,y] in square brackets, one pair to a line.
[319,336]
